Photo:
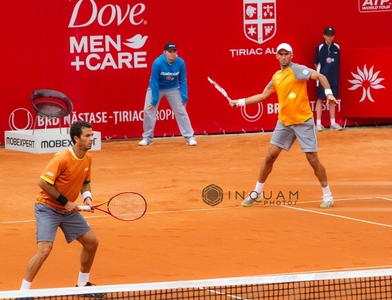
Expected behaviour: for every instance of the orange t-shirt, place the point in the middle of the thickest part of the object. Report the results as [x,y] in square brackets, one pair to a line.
[293,79]
[68,174]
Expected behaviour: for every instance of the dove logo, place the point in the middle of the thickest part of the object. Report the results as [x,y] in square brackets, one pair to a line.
[113,14]
[136,42]
[98,52]
[259,20]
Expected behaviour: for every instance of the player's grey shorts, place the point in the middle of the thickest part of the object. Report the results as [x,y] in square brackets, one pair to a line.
[284,136]
[49,219]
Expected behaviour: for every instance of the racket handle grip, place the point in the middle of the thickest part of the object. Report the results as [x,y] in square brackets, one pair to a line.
[84,207]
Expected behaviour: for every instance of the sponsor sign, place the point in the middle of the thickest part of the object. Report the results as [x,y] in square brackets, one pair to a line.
[43,140]
[371,6]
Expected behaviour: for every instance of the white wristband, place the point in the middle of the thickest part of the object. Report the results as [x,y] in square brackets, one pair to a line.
[86,194]
[328,92]
[241,102]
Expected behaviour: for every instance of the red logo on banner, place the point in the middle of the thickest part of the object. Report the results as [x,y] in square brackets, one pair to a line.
[365,6]
[259,20]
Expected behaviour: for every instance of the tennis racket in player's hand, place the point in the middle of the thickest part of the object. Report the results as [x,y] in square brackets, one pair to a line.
[221,90]
[124,206]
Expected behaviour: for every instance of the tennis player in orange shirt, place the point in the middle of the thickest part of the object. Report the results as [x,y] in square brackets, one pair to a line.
[67,175]
[295,120]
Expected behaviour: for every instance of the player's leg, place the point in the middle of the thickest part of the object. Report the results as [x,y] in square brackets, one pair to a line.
[307,139]
[268,163]
[36,262]
[75,227]
[150,118]
[90,243]
[46,229]
[318,168]
[283,137]
[321,174]
[184,124]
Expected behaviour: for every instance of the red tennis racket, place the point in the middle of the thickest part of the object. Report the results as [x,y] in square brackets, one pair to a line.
[124,206]
[220,89]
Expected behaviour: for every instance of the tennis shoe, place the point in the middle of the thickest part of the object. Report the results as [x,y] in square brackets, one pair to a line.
[191,142]
[319,127]
[327,201]
[253,196]
[336,127]
[144,142]
[94,295]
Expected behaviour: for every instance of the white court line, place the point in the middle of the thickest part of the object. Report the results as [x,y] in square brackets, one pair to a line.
[147,213]
[235,207]
[388,199]
[331,270]
[342,199]
[339,216]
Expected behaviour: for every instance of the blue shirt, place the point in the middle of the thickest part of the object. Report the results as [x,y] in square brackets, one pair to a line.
[168,76]
[327,60]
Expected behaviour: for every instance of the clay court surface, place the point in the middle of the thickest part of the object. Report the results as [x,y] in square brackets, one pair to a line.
[183,238]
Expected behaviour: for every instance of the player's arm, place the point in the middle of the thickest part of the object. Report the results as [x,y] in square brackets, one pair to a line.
[325,84]
[52,191]
[86,194]
[252,99]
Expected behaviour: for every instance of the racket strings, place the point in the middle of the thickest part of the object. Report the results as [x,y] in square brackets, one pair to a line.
[127,206]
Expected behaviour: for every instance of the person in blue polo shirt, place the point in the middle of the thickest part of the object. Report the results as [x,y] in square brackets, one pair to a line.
[168,79]
[327,62]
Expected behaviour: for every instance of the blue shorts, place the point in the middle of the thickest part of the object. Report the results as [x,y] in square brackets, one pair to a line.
[285,136]
[48,219]
[321,92]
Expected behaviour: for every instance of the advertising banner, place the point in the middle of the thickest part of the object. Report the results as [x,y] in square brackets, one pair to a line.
[99,53]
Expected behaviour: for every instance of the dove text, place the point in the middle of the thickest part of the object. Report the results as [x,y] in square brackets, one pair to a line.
[106,15]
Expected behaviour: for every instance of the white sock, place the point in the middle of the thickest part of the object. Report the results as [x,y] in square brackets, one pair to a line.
[326,190]
[83,278]
[259,187]
[318,122]
[332,121]
[25,285]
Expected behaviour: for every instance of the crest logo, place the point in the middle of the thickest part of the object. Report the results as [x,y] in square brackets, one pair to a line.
[259,20]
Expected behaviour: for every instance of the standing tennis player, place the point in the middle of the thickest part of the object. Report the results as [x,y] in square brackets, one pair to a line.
[168,79]
[295,120]
[67,174]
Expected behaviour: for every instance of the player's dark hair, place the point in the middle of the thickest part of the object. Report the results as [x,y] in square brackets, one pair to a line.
[77,128]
